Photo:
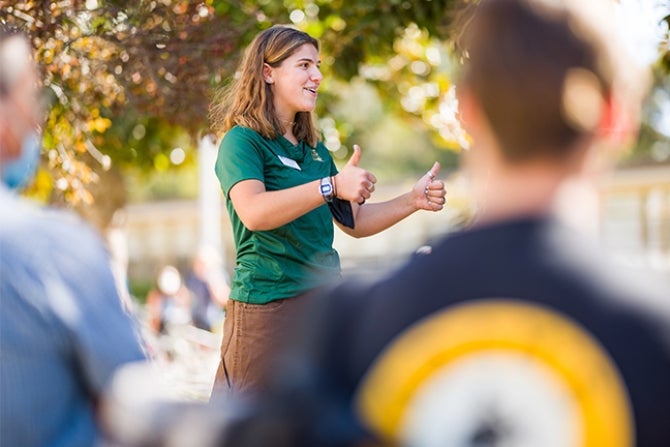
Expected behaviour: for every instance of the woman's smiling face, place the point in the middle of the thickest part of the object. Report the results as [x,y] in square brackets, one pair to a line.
[295,82]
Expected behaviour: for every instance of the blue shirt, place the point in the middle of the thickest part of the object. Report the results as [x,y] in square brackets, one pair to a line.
[63,331]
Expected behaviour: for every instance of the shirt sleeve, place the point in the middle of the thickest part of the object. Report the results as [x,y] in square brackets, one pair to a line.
[324,152]
[240,158]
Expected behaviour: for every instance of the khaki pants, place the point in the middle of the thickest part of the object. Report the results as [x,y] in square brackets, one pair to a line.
[253,335]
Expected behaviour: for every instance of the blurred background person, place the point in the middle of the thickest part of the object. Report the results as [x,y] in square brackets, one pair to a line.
[63,332]
[209,289]
[168,302]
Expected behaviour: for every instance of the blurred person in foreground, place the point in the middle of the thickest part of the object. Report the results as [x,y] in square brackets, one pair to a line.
[63,332]
[517,331]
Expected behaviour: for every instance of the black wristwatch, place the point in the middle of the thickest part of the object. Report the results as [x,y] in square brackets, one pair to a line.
[327,190]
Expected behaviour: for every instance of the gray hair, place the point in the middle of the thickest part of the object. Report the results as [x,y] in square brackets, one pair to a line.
[14,58]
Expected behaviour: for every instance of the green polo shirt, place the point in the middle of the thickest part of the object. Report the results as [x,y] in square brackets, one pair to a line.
[296,257]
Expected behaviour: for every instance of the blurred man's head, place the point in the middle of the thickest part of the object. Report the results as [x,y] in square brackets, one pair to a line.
[19,107]
[547,76]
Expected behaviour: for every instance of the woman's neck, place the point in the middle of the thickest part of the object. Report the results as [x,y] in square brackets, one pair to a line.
[290,137]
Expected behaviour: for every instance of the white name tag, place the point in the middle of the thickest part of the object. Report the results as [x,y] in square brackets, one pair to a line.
[289,162]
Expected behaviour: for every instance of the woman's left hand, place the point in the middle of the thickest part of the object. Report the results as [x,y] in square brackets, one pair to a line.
[429,193]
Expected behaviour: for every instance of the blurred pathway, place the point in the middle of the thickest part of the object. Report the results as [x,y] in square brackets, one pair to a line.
[187,359]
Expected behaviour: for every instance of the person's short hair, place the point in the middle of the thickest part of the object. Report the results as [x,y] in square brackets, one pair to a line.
[541,70]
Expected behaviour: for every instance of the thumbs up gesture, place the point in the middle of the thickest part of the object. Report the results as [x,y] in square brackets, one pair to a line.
[354,183]
[355,157]
[429,193]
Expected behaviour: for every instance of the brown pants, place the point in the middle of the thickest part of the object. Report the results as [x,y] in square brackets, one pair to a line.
[253,335]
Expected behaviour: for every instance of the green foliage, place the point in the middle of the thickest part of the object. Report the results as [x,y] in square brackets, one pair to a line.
[664,49]
[132,81]
[358,32]
[653,145]
[113,65]
[129,78]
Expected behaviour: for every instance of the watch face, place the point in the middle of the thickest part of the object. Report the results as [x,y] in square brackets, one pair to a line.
[326,187]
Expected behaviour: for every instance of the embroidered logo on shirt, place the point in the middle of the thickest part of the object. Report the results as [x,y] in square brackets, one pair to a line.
[315,155]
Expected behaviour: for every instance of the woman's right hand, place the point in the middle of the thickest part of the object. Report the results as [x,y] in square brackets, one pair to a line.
[353,183]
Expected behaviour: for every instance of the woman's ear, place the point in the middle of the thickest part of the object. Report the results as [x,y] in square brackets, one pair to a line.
[267,74]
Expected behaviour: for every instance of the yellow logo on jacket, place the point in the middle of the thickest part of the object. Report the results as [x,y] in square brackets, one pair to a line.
[496,372]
